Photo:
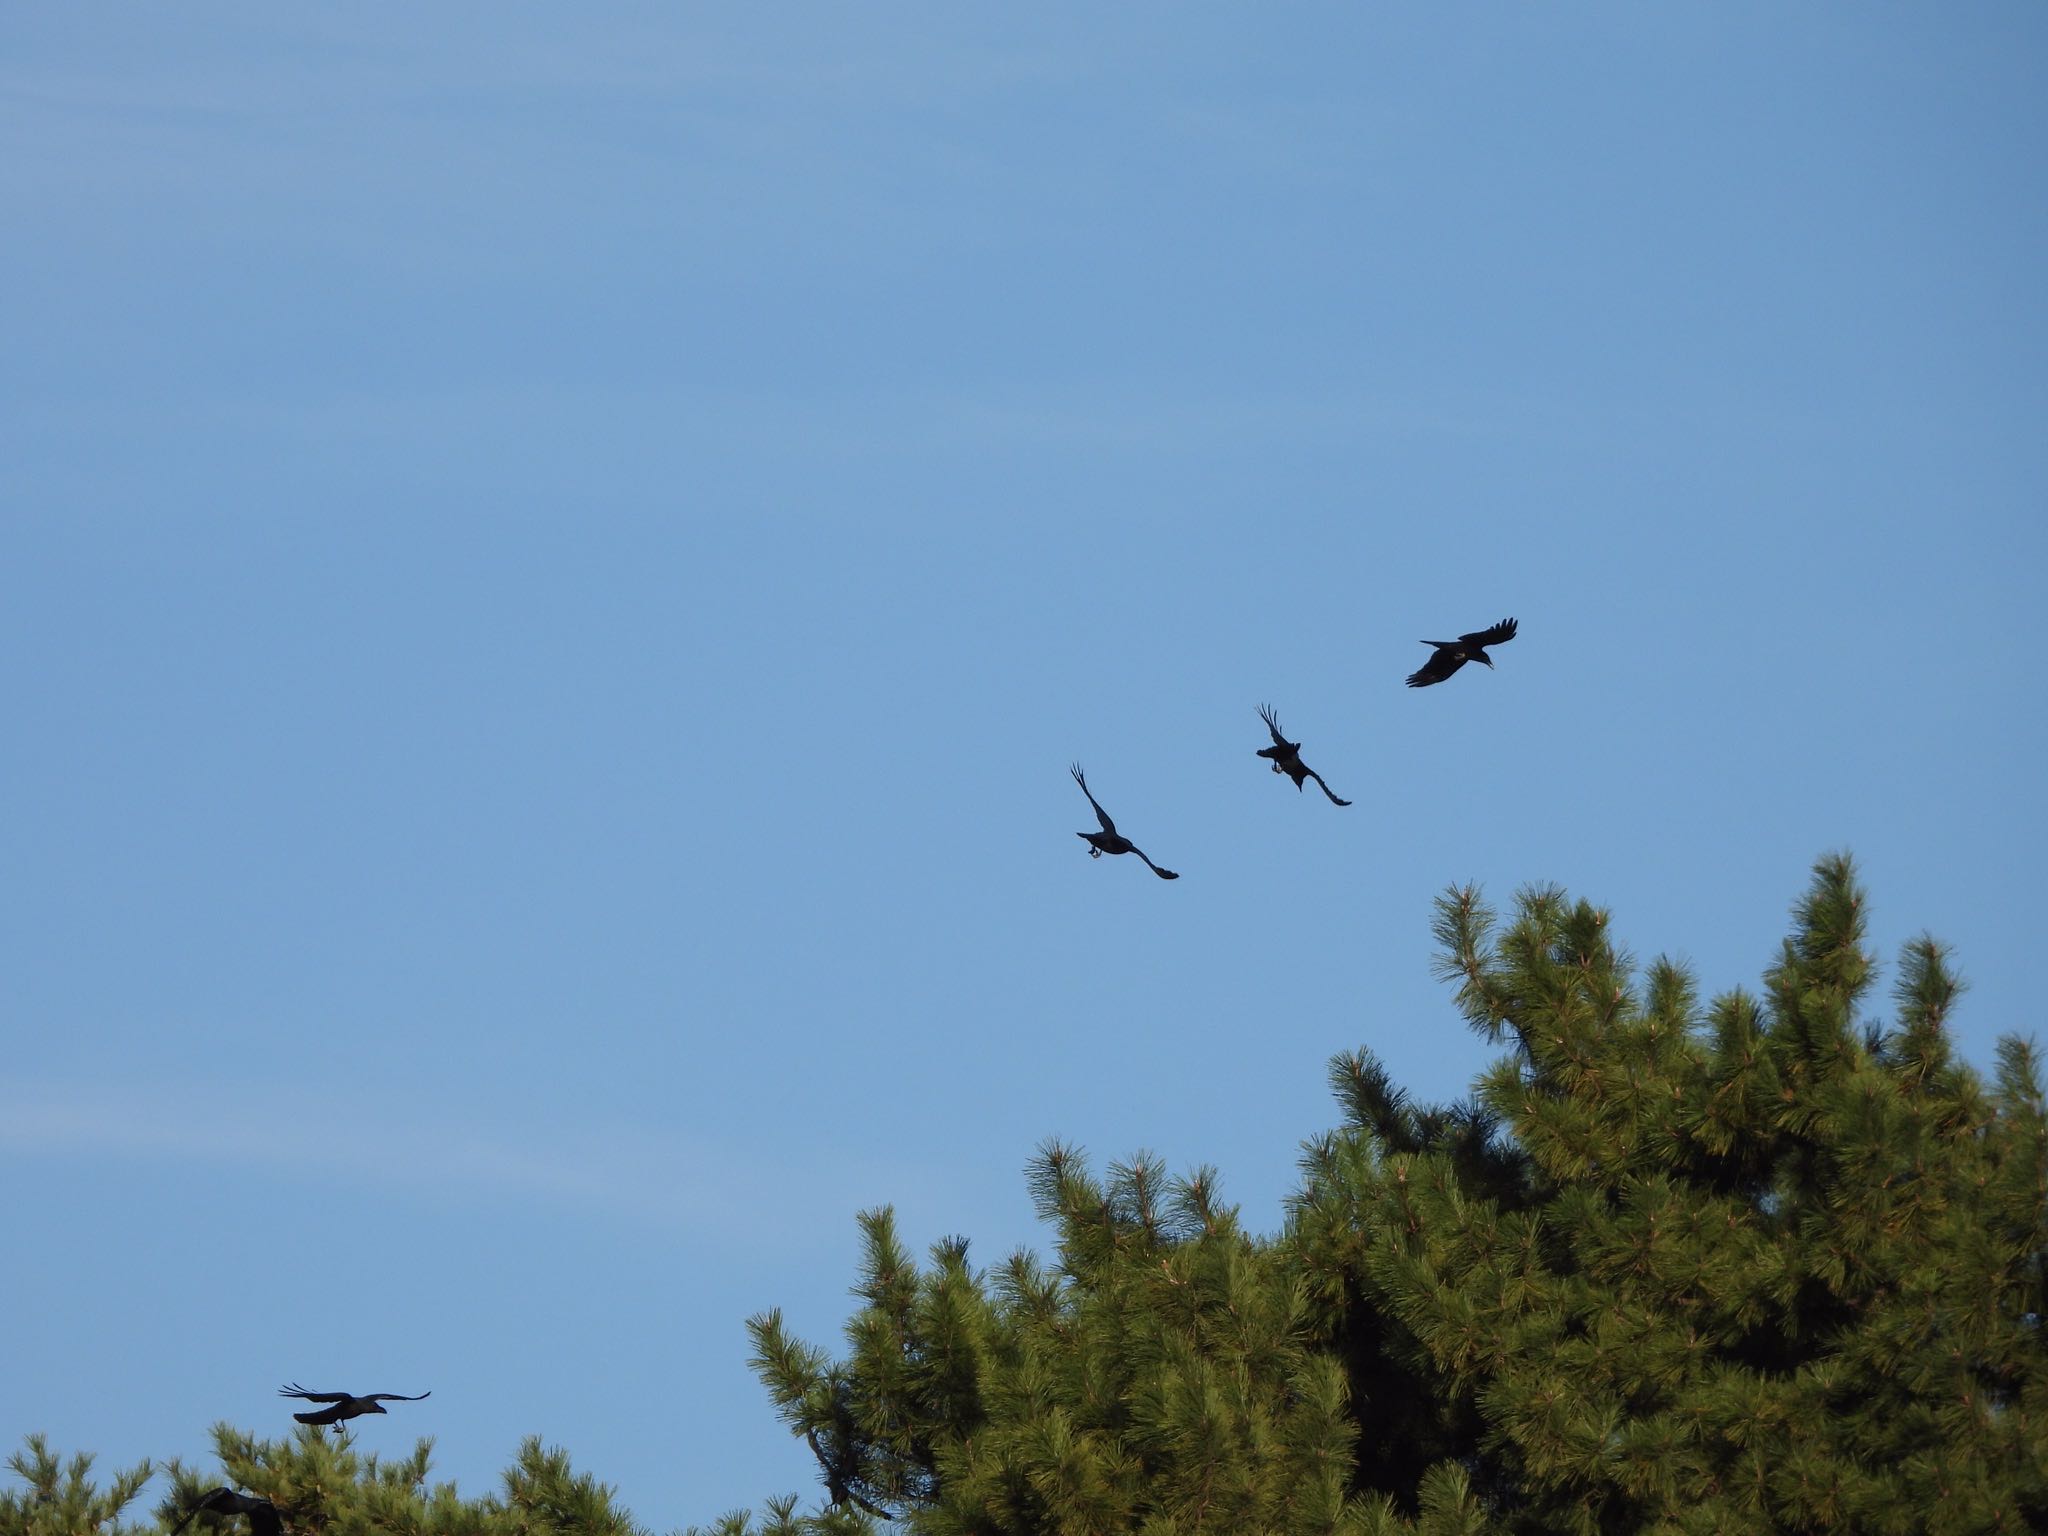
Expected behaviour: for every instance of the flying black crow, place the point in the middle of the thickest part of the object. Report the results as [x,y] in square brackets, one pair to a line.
[1286,756]
[346,1404]
[263,1520]
[1453,654]
[1109,840]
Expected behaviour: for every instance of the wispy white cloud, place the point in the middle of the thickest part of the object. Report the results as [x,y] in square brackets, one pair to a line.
[657,1178]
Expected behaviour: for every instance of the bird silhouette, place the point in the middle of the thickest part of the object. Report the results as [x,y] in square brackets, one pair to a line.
[1453,654]
[263,1518]
[1286,756]
[1109,840]
[346,1404]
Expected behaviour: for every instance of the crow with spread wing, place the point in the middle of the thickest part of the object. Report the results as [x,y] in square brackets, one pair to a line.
[1286,756]
[346,1405]
[1453,654]
[263,1519]
[1109,840]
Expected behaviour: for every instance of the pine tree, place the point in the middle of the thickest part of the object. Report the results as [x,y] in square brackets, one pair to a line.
[1755,1266]
[61,1498]
[1760,1269]
[321,1487]
[1159,1378]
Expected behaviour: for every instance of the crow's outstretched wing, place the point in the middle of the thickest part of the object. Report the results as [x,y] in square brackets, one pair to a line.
[1322,786]
[263,1517]
[1500,634]
[1164,874]
[1443,661]
[1272,724]
[1100,814]
[214,1499]
[393,1397]
[293,1389]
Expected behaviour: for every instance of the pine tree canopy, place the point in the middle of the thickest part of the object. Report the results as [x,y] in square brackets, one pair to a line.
[1758,1265]
[319,1486]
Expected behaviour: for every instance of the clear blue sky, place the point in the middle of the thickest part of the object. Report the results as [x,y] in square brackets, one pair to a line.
[553,560]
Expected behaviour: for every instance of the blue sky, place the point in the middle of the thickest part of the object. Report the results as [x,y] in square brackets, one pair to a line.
[552,564]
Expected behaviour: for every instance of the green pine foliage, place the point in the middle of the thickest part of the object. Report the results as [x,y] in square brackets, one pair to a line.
[1753,1265]
[61,1499]
[321,1487]
[1160,1377]
[1753,1268]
